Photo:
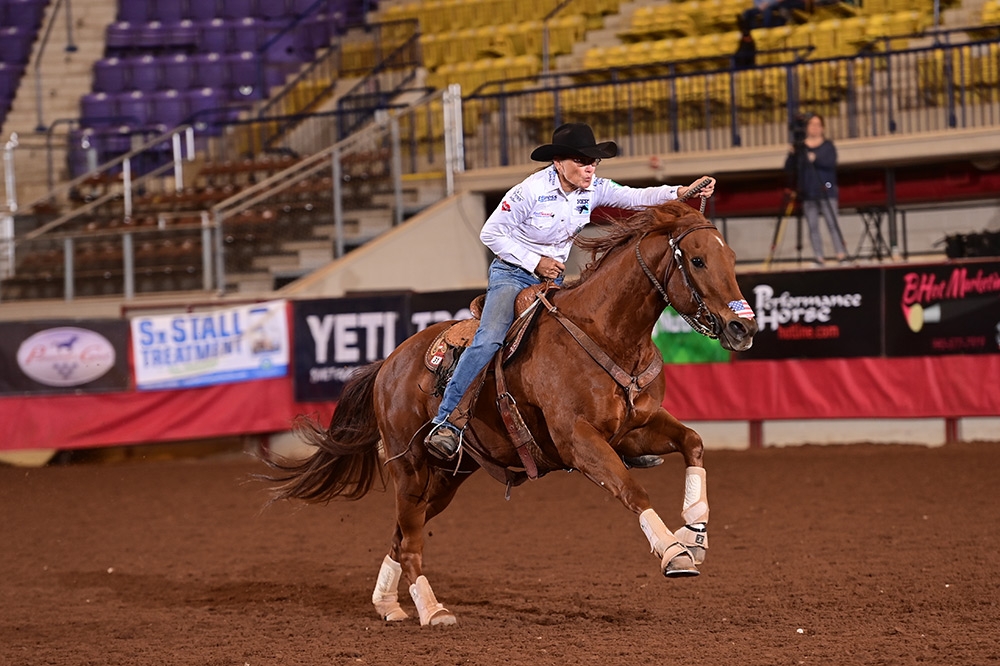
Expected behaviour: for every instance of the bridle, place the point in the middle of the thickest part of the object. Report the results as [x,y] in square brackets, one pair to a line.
[695,321]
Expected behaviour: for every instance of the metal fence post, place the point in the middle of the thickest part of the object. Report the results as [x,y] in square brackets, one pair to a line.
[127,183]
[7,222]
[338,204]
[68,268]
[128,264]
[175,144]
[397,171]
[220,268]
[206,251]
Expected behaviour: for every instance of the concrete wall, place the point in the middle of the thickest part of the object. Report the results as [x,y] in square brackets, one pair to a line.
[436,250]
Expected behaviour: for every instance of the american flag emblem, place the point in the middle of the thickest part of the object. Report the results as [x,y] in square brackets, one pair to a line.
[742,309]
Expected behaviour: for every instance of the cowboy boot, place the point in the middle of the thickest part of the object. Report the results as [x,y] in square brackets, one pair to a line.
[443,441]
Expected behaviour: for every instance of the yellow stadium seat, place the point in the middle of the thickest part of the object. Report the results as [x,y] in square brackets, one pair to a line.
[991,13]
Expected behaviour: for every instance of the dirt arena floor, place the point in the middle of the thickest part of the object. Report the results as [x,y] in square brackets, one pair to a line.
[819,555]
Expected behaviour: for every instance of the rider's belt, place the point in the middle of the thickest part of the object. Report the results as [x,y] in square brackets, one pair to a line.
[513,265]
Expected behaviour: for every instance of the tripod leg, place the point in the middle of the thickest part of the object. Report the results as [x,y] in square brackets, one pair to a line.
[787,205]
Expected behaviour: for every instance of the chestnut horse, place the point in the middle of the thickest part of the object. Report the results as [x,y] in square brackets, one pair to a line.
[580,416]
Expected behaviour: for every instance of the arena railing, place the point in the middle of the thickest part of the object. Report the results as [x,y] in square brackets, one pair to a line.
[342,196]
[690,106]
[311,211]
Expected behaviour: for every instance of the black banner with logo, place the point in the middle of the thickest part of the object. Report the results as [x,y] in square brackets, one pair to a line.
[334,337]
[943,309]
[815,314]
[429,308]
[64,356]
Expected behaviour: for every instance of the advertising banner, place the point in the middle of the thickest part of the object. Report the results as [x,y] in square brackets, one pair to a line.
[334,337]
[943,309]
[679,343]
[63,356]
[212,347]
[815,314]
[432,307]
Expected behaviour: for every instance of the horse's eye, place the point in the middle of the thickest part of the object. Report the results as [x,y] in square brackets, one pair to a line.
[698,262]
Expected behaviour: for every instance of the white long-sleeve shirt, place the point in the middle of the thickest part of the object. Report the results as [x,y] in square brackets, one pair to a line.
[538,219]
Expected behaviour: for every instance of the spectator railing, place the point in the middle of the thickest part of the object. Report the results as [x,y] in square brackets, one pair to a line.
[312,211]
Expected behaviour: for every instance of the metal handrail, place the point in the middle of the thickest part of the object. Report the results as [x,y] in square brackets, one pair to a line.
[70,47]
[256,193]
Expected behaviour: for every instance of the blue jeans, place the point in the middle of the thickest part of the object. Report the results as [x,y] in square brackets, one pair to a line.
[505,282]
[827,207]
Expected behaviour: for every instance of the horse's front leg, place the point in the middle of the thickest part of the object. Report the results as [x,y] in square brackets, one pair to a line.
[590,454]
[662,434]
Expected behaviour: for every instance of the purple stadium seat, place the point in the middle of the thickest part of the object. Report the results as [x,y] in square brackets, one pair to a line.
[135,11]
[26,13]
[243,76]
[238,8]
[182,34]
[298,6]
[119,36]
[10,77]
[178,72]
[249,34]
[144,73]
[170,108]
[16,44]
[289,47]
[216,36]
[97,110]
[133,107]
[202,103]
[166,12]
[202,10]
[210,70]
[272,8]
[317,32]
[110,75]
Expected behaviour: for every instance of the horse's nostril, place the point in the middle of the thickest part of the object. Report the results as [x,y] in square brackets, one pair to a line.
[737,328]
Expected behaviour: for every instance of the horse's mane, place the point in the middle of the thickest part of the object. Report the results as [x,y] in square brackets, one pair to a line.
[666,215]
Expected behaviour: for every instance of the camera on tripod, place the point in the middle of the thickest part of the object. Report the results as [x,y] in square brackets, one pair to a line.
[797,125]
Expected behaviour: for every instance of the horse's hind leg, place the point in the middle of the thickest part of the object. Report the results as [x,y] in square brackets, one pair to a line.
[420,495]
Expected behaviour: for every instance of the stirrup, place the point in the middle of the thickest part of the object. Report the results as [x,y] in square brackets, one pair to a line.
[642,462]
[443,441]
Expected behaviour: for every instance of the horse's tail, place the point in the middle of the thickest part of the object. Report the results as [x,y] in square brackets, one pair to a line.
[346,461]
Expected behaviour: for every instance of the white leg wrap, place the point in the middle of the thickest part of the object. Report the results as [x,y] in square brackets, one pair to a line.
[675,560]
[659,536]
[431,612]
[386,594]
[695,508]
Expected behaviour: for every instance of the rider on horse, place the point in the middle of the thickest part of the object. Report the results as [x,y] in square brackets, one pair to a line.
[531,233]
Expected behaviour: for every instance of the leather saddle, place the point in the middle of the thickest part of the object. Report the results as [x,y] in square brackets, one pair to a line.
[442,354]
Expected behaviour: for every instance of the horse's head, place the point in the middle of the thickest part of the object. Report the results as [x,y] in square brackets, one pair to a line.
[698,271]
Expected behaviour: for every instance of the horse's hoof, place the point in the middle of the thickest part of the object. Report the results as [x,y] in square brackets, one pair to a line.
[442,618]
[679,565]
[697,554]
[391,612]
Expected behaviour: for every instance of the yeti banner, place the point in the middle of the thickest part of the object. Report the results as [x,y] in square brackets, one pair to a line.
[335,337]
[943,309]
[815,314]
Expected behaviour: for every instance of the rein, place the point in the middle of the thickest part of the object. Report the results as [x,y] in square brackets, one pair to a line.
[676,255]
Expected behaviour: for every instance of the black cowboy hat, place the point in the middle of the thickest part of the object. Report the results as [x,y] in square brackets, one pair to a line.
[574,140]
